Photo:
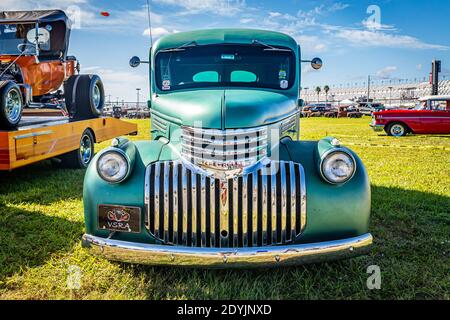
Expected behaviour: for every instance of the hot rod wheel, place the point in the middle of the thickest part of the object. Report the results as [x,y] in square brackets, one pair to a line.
[85,96]
[11,104]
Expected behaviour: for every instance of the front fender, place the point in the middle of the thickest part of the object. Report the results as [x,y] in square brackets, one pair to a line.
[129,193]
[333,211]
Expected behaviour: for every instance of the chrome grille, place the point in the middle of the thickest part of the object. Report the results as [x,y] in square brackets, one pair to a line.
[188,208]
[224,149]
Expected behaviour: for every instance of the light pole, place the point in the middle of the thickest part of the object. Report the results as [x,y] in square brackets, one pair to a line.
[137,94]
[390,96]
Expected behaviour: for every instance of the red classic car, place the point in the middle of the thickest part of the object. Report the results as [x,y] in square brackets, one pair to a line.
[430,116]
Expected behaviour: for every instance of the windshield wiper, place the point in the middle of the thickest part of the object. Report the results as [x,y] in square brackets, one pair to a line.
[269,47]
[182,47]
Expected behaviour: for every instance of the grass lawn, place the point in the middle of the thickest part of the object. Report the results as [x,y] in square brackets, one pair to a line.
[41,223]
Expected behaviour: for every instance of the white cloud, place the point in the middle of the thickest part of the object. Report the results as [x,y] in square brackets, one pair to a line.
[311,44]
[386,72]
[274,14]
[246,20]
[366,38]
[38,4]
[158,32]
[372,25]
[219,7]
[89,16]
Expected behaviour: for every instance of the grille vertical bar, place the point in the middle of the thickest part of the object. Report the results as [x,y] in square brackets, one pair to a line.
[262,208]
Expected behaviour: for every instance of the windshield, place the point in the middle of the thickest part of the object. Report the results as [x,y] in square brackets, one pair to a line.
[13,38]
[225,66]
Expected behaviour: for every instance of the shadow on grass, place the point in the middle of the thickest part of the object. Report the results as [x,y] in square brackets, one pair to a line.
[29,238]
[409,227]
[41,183]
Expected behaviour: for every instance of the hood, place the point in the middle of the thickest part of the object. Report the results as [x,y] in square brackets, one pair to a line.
[225,109]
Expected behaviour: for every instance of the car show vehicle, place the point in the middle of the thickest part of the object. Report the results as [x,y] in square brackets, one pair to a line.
[36,72]
[223,183]
[343,112]
[431,116]
[61,120]
[368,109]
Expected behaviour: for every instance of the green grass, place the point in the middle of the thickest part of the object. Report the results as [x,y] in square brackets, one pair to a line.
[41,223]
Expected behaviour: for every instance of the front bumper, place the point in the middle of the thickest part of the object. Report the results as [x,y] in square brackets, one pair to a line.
[377,127]
[163,255]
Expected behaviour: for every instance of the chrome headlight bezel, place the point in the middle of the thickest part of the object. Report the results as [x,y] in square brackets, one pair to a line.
[125,165]
[327,156]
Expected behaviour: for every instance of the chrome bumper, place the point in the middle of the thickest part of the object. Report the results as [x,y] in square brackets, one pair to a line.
[163,255]
[377,127]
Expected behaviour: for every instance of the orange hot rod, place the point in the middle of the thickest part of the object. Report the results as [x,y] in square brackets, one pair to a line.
[36,72]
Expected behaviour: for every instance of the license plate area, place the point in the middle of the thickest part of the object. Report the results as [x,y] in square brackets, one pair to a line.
[119,218]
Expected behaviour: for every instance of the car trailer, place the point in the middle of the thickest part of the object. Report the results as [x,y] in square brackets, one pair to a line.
[71,143]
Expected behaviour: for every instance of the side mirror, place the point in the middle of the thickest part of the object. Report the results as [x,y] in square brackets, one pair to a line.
[300,103]
[135,62]
[316,63]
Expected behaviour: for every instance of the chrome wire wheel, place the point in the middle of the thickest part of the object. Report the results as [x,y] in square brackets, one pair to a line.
[13,105]
[398,130]
[86,149]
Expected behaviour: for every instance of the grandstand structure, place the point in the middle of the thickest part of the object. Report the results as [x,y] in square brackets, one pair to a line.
[389,94]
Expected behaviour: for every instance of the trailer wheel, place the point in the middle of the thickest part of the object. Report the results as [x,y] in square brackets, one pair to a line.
[84,96]
[11,105]
[82,157]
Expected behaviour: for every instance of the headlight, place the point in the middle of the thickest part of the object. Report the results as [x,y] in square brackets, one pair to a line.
[113,166]
[338,167]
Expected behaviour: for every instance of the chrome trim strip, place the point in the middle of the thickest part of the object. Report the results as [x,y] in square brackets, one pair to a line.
[273,199]
[212,212]
[147,196]
[166,201]
[265,203]
[245,211]
[283,205]
[293,199]
[33,135]
[157,193]
[255,208]
[184,211]
[228,132]
[203,205]
[303,199]
[175,202]
[161,255]
[193,196]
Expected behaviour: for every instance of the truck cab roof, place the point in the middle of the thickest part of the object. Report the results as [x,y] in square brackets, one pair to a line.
[225,36]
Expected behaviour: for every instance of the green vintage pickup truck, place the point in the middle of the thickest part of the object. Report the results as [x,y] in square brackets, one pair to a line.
[223,183]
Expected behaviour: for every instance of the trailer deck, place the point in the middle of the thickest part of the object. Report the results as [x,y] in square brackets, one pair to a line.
[39,138]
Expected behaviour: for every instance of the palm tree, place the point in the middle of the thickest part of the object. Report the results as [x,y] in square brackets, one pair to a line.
[318,91]
[326,89]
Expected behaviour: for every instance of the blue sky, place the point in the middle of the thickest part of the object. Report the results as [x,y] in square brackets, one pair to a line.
[388,39]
